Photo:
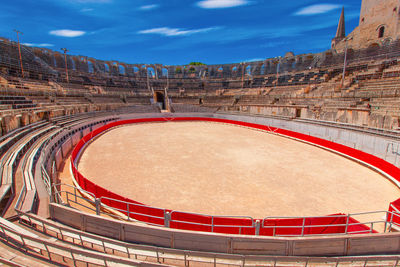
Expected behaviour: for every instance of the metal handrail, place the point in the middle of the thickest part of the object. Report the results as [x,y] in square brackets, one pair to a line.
[57,196]
[346,225]
[104,244]
[18,204]
[96,202]
[212,217]
[35,245]
[128,210]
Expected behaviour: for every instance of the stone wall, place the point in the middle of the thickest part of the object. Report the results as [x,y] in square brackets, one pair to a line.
[374,15]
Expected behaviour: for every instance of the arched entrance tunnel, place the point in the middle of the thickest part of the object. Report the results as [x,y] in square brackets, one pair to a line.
[160,99]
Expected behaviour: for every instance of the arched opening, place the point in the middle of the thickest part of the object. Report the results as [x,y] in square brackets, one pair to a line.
[107,68]
[248,70]
[164,72]
[220,72]
[234,71]
[381,33]
[160,99]
[73,64]
[262,69]
[150,72]
[54,61]
[90,67]
[121,70]
[59,61]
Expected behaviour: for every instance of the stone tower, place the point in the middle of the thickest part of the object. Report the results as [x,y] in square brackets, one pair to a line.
[341,30]
[379,24]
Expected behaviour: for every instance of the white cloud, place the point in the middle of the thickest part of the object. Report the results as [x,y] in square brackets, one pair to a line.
[221,3]
[91,1]
[87,9]
[149,7]
[38,45]
[316,9]
[253,60]
[67,33]
[166,31]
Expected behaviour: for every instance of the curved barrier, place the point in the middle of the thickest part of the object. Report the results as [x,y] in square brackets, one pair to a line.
[331,224]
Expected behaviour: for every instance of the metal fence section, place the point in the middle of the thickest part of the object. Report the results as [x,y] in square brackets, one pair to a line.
[153,216]
[186,257]
[282,226]
[56,252]
[66,194]
[346,221]
[212,223]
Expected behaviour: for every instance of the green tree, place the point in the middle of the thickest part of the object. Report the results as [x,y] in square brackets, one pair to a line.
[196,64]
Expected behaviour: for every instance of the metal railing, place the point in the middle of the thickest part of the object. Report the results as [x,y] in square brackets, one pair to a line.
[186,257]
[252,222]
[371,224]
[46,179]
[40,61]
[46,249]
[75,197]
[21,197]
[130,211]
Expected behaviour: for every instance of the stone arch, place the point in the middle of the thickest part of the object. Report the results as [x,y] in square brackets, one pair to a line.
[262,69]
[158,71]
[374,46]
[142,70]
[373,49]
[128,69]
[107,67]
[164,72]
[75,63]
[121,69]
[387,41]
[150,72]
[381,31]
[90,66]
[58,60]
[219,71]
[248,70]
[114,67]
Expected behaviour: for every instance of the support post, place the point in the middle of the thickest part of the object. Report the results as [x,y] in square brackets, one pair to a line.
[167,219]
[19,52]
[66,63]
[98,206]
[258,226]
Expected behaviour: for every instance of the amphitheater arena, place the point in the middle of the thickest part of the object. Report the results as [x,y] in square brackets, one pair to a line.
[208,166]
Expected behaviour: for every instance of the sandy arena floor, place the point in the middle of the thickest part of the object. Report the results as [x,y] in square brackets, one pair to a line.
[229,170]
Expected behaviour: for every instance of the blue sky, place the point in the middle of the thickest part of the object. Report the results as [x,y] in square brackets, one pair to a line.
[174,32]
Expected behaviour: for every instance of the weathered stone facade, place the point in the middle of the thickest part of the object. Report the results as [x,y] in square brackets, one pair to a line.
[379,25]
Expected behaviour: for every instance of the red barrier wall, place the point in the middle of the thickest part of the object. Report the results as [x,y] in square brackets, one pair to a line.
[196,222]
